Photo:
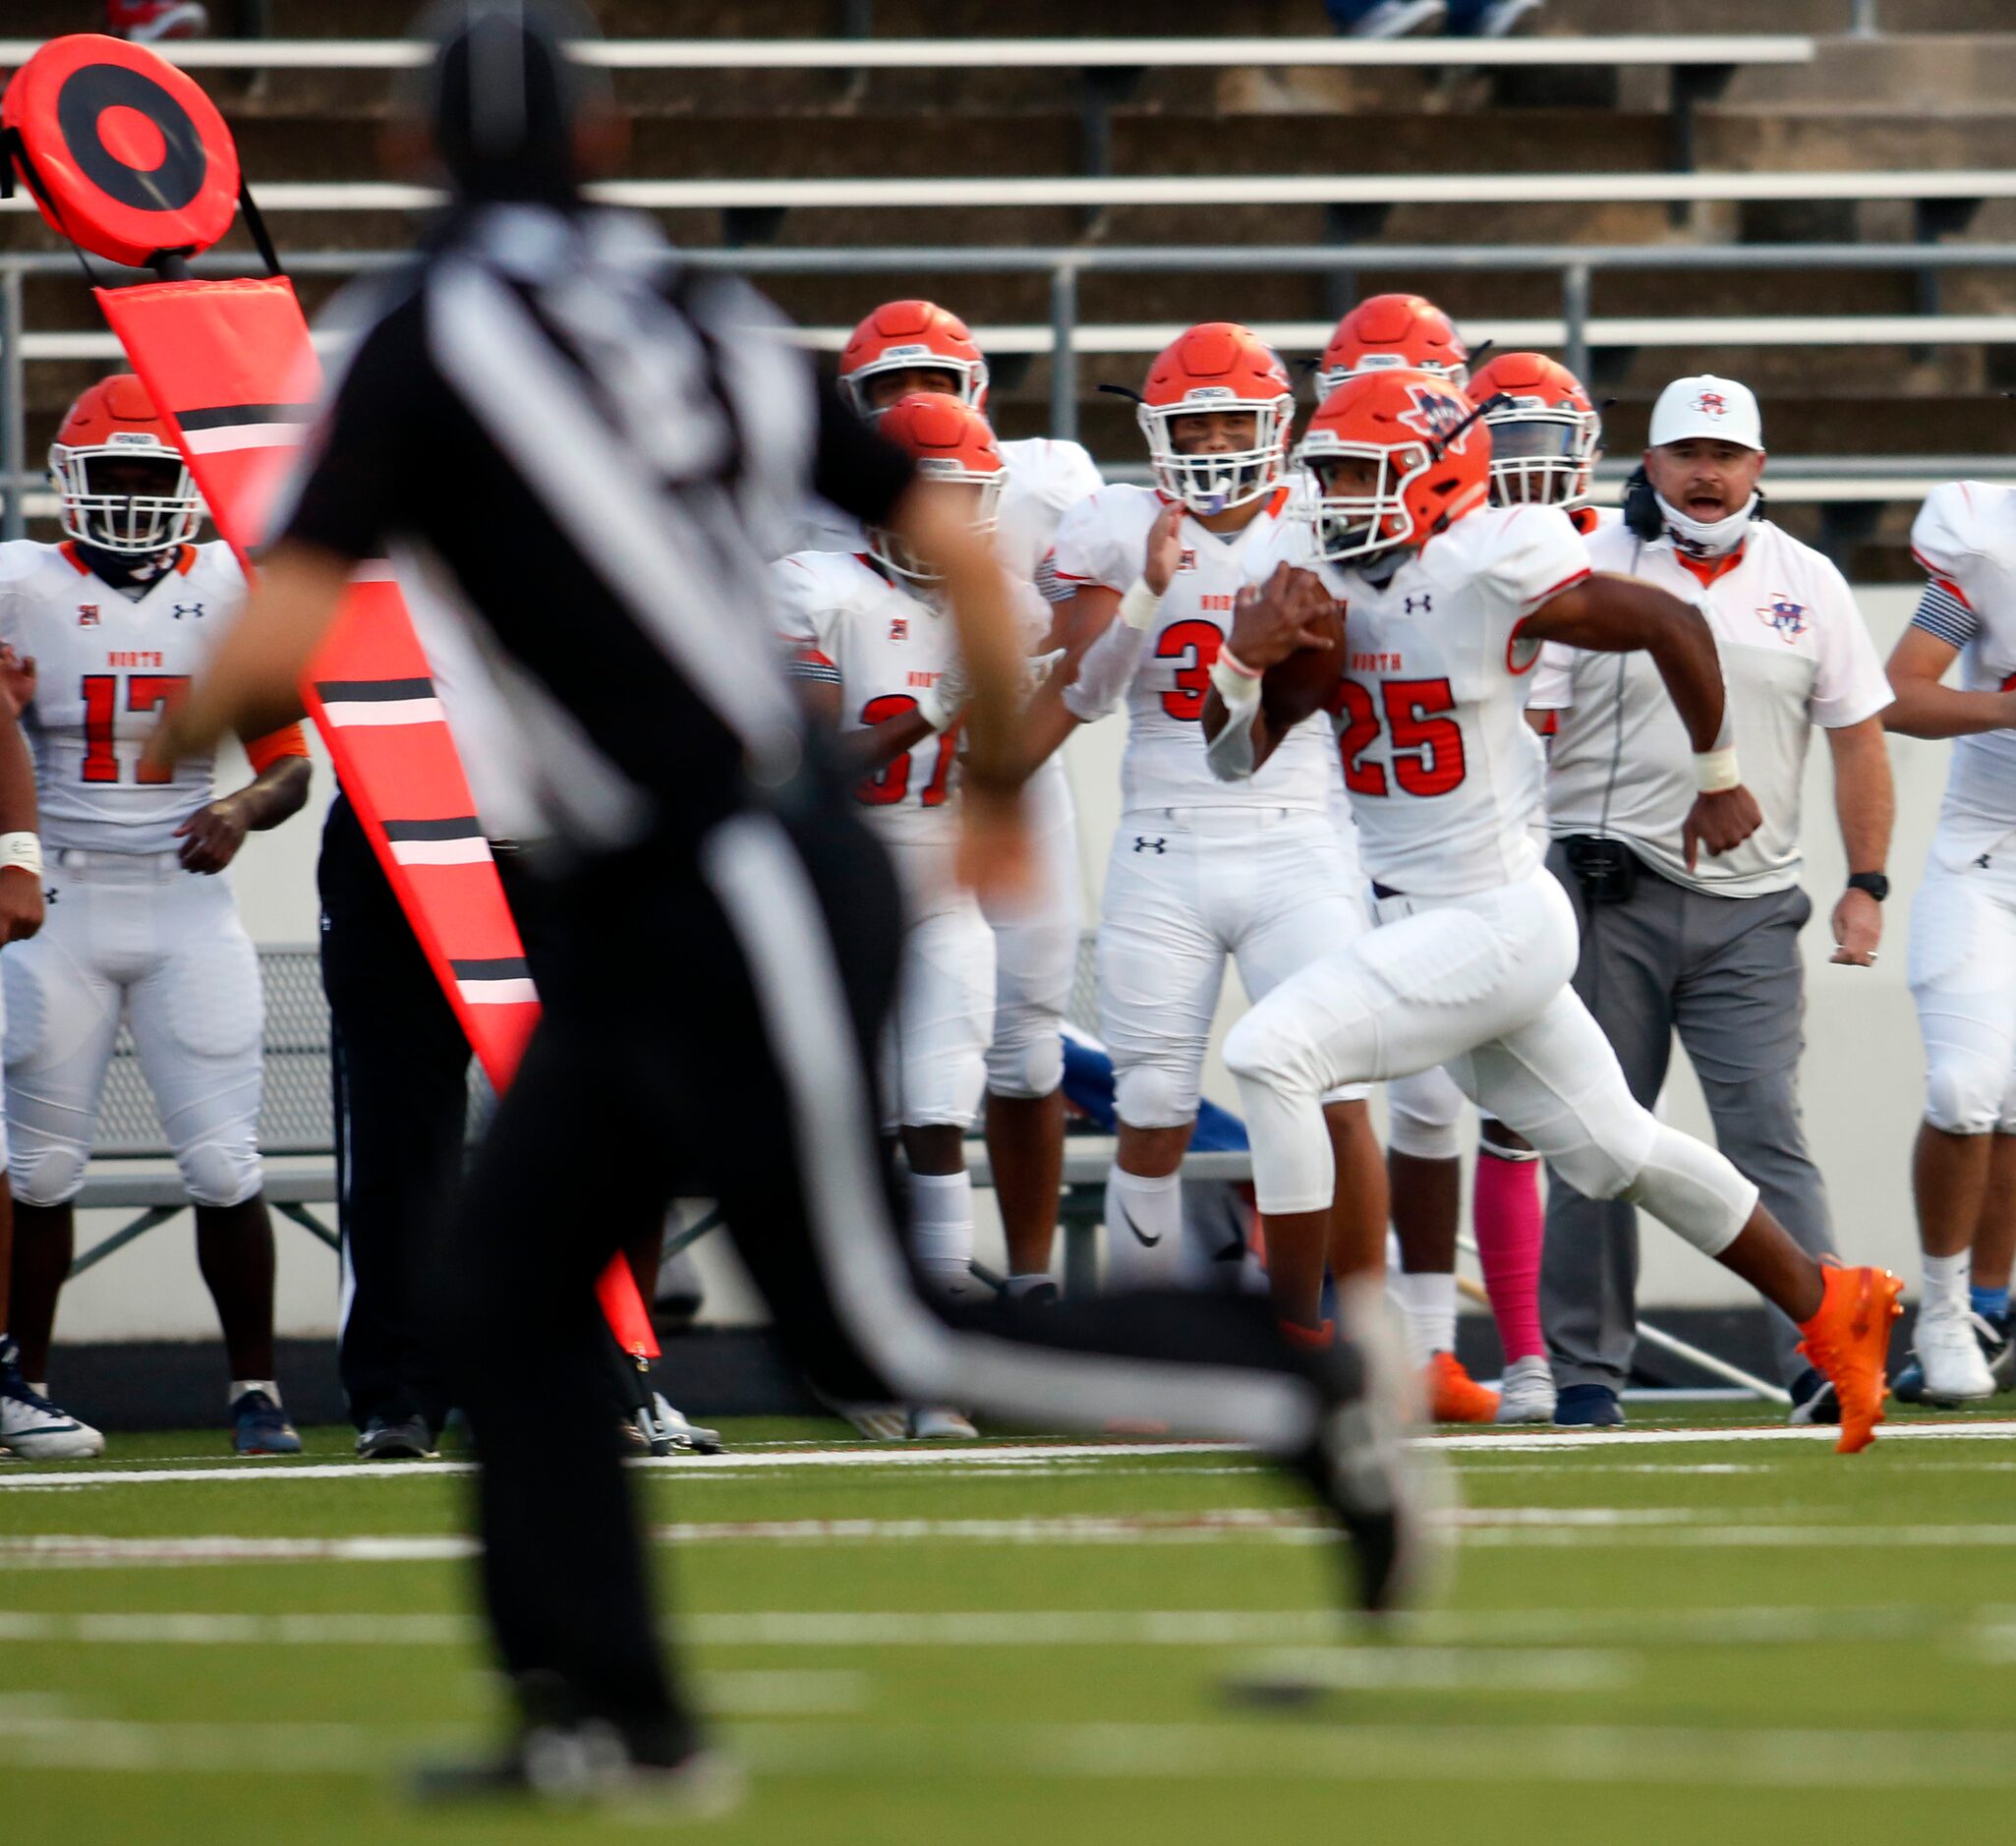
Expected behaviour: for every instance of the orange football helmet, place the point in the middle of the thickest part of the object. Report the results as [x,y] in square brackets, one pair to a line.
[1432,456]
[950,441]
[1218,365]
[1545,439]
[114,425]
[1386,332]
[910,336]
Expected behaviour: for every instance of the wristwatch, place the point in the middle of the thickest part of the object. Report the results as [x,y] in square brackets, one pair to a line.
[1874,883]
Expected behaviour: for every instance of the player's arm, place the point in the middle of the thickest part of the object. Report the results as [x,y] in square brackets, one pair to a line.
[1269,622]
[20,850]
[1608,614]
[1866,807]
[1922,707]
[278,790]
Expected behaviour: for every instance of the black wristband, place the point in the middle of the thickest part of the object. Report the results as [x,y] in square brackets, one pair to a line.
[1874,883]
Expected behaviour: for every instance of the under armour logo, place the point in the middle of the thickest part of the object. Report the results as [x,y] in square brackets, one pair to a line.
[1427,605]
[193,611]
[1144,844]
[1982,862]
[49,895]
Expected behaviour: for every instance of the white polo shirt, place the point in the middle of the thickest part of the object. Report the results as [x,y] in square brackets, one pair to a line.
[1795,654]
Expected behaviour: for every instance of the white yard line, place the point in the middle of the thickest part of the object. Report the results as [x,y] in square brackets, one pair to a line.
[17,1477]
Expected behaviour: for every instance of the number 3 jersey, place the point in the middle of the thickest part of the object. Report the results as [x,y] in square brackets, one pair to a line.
[1103,540]
[1443,774]
[105,665]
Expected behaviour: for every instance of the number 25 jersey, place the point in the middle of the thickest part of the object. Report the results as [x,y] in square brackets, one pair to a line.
[105,665]
[1443,774]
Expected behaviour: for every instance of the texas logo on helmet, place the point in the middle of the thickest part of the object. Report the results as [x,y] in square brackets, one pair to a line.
[1785,616]
[1440,415]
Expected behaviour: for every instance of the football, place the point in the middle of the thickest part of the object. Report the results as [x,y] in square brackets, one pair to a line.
[1301,686]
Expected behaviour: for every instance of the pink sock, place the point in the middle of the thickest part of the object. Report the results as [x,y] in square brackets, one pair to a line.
[1507,1211]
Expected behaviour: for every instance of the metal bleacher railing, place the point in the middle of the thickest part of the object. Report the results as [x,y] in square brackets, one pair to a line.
[1576,333]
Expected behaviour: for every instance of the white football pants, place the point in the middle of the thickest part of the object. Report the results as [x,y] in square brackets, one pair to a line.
[1036,948]
[1272,888]
[1963,980]
[134,935]
[934,1048]
[1478,984]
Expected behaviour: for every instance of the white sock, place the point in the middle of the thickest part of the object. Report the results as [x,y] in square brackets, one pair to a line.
[1428,1300]
[240,1386]
[1945,1283]
[1144,1230]
[942,1227]
[39,1386]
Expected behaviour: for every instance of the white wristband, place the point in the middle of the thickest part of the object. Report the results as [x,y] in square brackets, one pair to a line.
[1715,769]
[932,708]
[21,852]
[1137,608]
[1238,690]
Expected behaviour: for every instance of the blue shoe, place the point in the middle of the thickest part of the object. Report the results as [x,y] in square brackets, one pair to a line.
[259,1426]
[1587,1406]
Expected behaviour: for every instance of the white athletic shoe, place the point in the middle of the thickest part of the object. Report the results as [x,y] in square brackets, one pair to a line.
[1955,1370]
[880,1423]
[1400,19]
[935,1423]
[1505,17]
[32,1427]
[1525,1394]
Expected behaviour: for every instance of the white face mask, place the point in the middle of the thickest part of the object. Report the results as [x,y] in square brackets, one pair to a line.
[1711,537]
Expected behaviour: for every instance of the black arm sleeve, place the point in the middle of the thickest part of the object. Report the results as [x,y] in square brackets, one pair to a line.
[855,469]
[356,475]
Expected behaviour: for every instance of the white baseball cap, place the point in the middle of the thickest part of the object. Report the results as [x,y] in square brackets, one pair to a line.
[1719,409]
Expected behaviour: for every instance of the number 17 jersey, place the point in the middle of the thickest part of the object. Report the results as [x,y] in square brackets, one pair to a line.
[105,667]
[1444,776]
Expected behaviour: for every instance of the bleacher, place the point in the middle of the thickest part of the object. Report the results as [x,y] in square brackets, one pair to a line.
[1700,191]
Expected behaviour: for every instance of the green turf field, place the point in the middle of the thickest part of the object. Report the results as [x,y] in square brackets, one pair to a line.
[1710,1639]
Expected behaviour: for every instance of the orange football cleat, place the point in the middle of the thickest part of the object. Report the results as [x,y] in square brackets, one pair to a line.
[1454,1396]
[1849,1340]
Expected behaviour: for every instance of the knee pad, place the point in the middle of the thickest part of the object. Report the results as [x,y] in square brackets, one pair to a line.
[219,1173]
[1693,1191]
[1964,1093]
[45,1173]
[1153,1096]
[1423,1113]
[1026,1056]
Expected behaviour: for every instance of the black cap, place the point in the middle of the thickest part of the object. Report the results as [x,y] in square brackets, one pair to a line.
[502,96]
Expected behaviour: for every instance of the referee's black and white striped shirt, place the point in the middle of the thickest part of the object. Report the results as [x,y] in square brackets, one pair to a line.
[587,451]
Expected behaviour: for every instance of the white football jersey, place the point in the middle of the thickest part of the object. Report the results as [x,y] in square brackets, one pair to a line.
[1443,774]
[1102,540]
[881,645]
[1965,537]
[104,668]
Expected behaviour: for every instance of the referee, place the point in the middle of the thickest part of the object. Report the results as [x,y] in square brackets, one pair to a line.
[583,445]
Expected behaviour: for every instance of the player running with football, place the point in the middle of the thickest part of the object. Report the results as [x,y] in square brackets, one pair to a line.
[106,629]
[1963,941]
[1201,870]
[1447,604]
[900,348]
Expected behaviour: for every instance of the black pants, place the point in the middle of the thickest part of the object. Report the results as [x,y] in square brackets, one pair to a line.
[707,1032]
[400,1068]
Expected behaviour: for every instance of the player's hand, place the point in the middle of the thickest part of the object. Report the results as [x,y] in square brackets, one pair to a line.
[1272,621]
[1858,930]
[21,905]
[16,679]
[994,858]
[211,835]
[1719,822]
[1165,548]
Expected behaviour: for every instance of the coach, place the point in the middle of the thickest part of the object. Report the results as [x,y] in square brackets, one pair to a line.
[1676,942]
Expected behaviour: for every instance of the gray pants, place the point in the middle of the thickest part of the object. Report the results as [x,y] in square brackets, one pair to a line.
[1725,974]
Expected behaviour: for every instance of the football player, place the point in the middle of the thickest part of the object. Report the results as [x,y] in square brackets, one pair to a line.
[908,346]
[1386,333]
[1447,604]
[876,658]
[1201,870]
[1963,940]
[1545,436]
[108,627]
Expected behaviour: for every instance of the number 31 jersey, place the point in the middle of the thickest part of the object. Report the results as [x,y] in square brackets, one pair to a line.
[1103,540]
[1443,774]
[105,665]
